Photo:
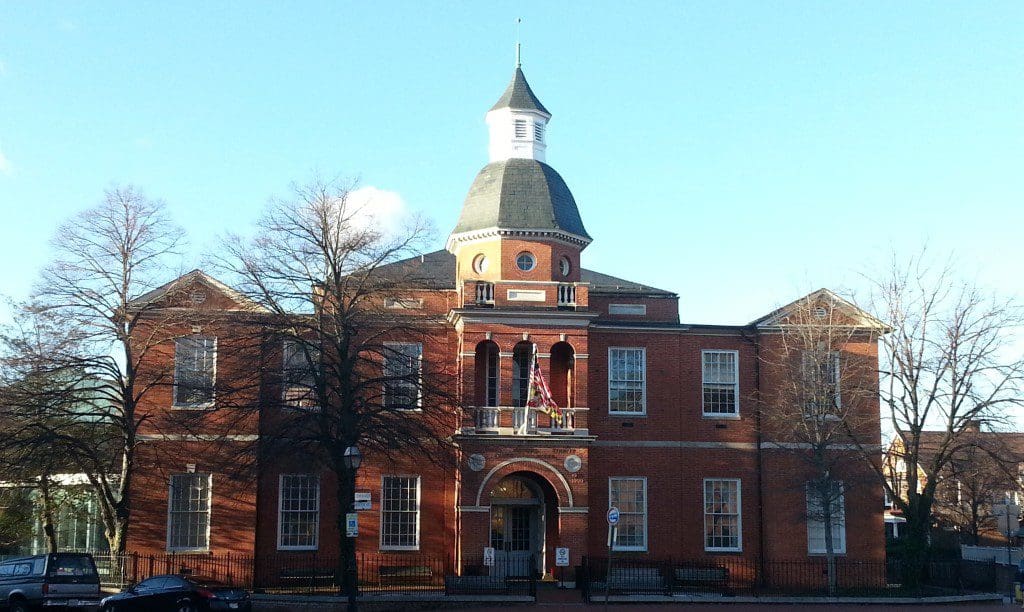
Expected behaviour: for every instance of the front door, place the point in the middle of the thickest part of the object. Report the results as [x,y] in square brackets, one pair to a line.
[514,530]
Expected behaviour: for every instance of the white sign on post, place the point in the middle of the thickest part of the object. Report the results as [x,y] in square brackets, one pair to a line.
[613,516]
[351,525]
[362,501]
[488,556]
[562,557]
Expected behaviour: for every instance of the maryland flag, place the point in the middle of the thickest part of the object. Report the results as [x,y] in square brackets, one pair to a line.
[538,395]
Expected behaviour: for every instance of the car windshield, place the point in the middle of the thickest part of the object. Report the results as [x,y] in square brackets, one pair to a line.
[72,565]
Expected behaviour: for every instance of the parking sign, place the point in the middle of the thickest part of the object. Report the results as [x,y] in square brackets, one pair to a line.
[613,516]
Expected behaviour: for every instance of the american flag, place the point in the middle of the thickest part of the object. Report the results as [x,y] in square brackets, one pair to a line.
[539,395]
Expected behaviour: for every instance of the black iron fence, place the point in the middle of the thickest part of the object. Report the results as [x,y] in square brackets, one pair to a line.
[505,573]
[733,576]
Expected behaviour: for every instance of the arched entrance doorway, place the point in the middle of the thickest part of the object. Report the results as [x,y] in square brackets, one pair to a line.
[519,525]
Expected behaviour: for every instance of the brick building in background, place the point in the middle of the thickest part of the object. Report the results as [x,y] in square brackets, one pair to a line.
[661,417]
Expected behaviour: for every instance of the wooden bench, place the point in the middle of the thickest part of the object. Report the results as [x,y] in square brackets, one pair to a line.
[632,580]
[702,576]
[306,576]
[404,574]
[473,585]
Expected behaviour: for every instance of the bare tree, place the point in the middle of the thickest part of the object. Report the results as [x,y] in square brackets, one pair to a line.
[948,363]
[824,404]
[324,274]
[974,481]
[104,257]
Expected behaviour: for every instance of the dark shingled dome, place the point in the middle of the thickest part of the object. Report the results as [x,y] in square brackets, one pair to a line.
[520,194]
[518,95]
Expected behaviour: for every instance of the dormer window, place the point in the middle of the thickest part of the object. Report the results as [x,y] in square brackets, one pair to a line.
[520,128]
[538,132]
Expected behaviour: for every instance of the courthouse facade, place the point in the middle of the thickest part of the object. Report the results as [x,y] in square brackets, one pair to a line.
[662,419]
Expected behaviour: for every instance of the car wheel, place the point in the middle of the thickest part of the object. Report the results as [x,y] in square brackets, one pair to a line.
[19,605]
[187,606]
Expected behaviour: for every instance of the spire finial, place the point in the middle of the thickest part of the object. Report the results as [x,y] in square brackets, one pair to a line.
[519,20]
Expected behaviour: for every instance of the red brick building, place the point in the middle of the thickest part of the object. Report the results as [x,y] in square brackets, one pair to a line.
[661,418]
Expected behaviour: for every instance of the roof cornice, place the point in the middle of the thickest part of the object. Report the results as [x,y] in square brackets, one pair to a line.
[498,232]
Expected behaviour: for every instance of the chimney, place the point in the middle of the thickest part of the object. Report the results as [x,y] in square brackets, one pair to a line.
[974,425]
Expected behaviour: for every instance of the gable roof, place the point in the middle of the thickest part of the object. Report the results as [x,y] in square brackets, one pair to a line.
[1005,444]
[183,281]
[858,317]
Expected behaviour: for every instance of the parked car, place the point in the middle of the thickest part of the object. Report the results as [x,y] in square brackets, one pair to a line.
[175,593]
[52,580]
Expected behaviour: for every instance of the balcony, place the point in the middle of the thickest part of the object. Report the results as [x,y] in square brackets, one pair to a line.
[485,294]
[567,296]
[508,421]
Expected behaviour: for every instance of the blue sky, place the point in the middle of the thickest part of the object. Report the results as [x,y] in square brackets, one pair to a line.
[739,153]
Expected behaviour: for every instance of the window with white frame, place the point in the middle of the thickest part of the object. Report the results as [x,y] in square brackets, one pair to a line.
[400,513]
[188,515]
[298,520]
[721,383]
[821,382]
[403,363]
[195,370]
[627,380]
[722,522]
[298,373]
[816,513]
[629,495]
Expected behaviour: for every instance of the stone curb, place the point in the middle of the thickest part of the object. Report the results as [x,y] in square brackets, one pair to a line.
[913,601]
[390,597]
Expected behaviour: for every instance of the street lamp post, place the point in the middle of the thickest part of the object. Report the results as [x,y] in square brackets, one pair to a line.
[352,459]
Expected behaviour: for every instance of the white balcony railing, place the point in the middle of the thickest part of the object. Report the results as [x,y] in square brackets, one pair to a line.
[485,294]
[508,421]
[566,295]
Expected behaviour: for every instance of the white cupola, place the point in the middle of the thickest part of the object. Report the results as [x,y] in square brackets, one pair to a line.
[518,123]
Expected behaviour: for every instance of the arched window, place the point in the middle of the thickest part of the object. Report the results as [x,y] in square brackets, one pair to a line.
[522,356]
[487,368]
[562,380]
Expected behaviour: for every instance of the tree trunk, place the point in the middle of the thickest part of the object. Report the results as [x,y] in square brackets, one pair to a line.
[915,546]
[348,572]
[47,519]
[830,555]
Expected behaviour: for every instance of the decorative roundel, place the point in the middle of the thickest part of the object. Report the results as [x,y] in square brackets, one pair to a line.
[564,266]
[476,462]
[480,263]
[525,261]
[573,464]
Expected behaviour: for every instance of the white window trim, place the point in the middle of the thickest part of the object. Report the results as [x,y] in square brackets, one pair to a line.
[616,546]
[419,511]
[739,515]
[174,387]
[497,375]
[280,513]
[209,512]
[643,353]
[310,402]
[419,382]
[736,386]
[836,357]
[838,550]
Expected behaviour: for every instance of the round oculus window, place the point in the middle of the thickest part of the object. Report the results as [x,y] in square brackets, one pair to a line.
[525,262]
[480,264]
[564,266]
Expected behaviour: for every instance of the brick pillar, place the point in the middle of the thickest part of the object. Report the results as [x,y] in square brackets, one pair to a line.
[572,533]
[474,536]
